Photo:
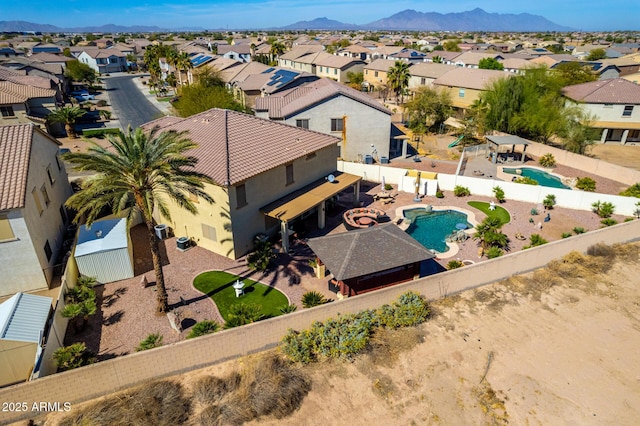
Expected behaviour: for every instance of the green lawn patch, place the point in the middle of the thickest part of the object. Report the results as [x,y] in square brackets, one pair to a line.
[499,212]
[218,286]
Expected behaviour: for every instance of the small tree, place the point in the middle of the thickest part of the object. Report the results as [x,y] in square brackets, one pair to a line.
[586,184]
[260,258]
[499,194]
[67,116]
[490,64]
[632,191]
[313,298]
[549,201]
[547,160]
[603,209]
[151,341]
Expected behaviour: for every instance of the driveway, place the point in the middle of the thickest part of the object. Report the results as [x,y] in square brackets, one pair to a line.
[129,104]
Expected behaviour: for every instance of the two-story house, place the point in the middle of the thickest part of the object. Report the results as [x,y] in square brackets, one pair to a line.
[104,61]
[363,124]
[20,103]
[33,189]
[425,73]
[254,164]
[466,84]
[375,73]
[614,104]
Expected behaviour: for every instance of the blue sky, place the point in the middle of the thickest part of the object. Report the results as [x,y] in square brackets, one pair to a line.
[213,14]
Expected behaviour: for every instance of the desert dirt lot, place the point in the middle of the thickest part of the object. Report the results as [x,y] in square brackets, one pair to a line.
[622,155]
[557,346]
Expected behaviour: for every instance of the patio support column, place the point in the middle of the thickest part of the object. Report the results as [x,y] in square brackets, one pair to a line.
[625,135]
[356,194]
[322,214]
[284,231]
[603,139]
[524,153]
[404,148]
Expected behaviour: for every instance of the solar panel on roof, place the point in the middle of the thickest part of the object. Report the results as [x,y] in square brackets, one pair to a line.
[268,71]
[282,77]
[199,60]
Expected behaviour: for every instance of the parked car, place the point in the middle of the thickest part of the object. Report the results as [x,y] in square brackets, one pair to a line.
[84,97]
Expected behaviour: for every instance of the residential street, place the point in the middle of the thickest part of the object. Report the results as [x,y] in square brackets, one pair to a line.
[129,104]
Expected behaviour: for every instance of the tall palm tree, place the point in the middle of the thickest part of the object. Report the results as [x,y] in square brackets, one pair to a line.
[276,50]
[398,78]
[67,116]
[183,63]
[142,170]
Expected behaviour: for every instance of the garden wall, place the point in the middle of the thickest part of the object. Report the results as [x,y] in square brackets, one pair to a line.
[109,376]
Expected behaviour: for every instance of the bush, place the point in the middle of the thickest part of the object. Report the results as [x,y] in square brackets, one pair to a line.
[547,160]
[455,264]
[439,194]
[242,314]
[632,191]
[566,234]
[494,252]
[579,230]
[526,180]
[461,191]
[535,240]
[313,298]
[73,356]
[151,341]
[498,193]
[202,328]
[287,309]
[101,103]
[100,133]
[549,201]
[347,335]
[586,184]
[608,222]
[534,211]
[603,209]
[388,187]
[260,258]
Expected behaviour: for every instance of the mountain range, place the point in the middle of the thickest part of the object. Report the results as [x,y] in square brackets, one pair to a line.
[407,20]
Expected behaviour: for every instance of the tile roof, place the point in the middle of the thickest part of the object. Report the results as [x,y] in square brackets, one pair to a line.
[429,69]
[15,150]
[21,77]
[334,61]
[380,65]
[233,147]
[303,97]
[367,251]
[612,91]
[11,93]
[470,78]
[299,51]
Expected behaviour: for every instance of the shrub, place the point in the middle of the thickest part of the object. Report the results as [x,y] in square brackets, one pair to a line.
[608,222]
[494,252]
[313,298]
[242,314]
[153,340]
[636,212]
[498,193]
[260,258]
[586,184]
[549,201]
[535,240]
[579,230]
[461,191]
[632,191]
[603,209]
[455,264]
[439,194]
[202,328]
[547,160]
[388,187]
[100,133]
[101,103]
[526,180]
[73,356]
[287,309]
[534,211]
[566,234]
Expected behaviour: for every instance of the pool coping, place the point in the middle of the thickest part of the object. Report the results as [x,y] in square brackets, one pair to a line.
[508,177]
[454,248]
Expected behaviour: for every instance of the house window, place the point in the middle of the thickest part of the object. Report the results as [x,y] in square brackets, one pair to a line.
[36,199]
[423,81]
[6,233]
[335,70]
[58,163]
[303,123]
[241,196]
[63,214]
[337,125]
[209,232]
[45,195]
[375,74]
[50,175]
[628,110]
[7,111]
[461,93]
[289,173]
[608,105]
[47,250]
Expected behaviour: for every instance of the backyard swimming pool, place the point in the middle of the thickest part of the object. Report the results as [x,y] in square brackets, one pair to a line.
[432,228]
[543,178]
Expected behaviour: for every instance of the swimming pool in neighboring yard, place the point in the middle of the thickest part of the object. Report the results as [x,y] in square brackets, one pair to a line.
[431,228]
[543,178]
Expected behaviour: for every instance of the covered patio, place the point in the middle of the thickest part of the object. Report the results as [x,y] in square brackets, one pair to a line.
[498,154]
[312,196]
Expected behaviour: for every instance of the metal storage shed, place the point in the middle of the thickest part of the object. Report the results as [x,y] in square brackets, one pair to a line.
[22,322]
[105,251]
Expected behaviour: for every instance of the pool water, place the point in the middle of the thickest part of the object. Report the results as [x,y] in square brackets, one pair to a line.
[431,228]
[543,178]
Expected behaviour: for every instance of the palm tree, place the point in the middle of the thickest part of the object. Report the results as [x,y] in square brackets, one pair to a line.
[67,116]
[398,77]
[183,63]
[488,232]
[276,50]
[140,172]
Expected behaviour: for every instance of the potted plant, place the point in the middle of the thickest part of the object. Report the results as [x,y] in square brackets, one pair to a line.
[318,267]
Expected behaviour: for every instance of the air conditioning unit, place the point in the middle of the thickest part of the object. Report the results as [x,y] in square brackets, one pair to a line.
[162,231]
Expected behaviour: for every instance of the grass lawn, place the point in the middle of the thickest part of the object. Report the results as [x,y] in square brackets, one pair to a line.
[218,286]
[499,212]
